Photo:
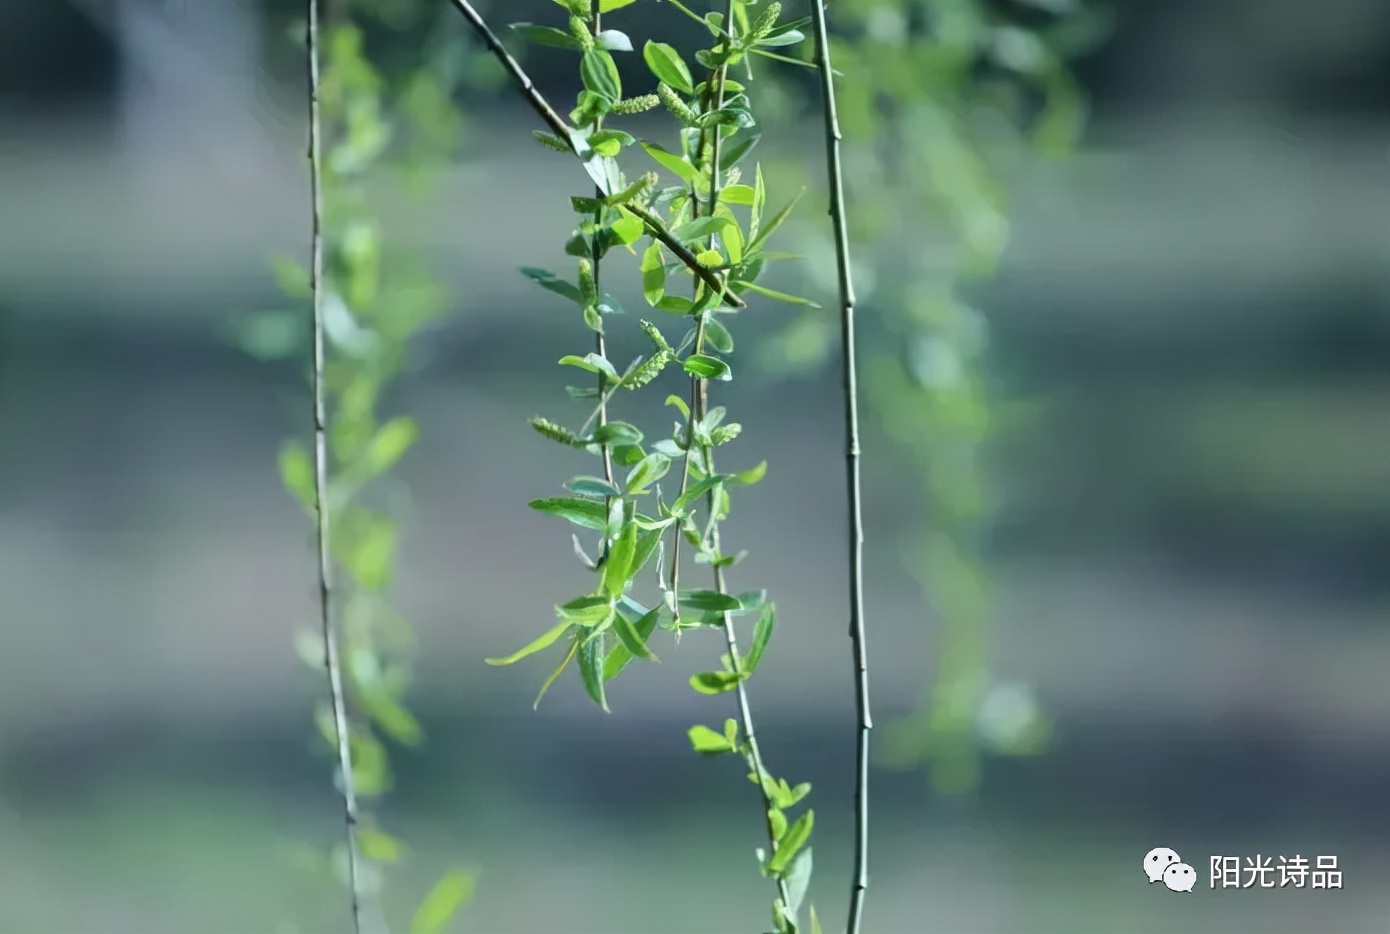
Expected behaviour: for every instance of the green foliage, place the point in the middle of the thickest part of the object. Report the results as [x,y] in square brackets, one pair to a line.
[706,237]
[925,176]
[375,303]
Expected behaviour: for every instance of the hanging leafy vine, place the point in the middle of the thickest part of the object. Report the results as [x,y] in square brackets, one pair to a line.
[693,232]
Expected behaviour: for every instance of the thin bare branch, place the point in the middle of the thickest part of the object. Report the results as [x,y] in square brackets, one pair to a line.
[860,879]
[321,500]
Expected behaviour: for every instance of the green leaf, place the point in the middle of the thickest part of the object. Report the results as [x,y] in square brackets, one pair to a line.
[449,894]
[591,664]
[592,487]
[613,40]
[790,37]
[706,742]
[703,366]
[590,611]
[738,194]
[599,73]
[718,336]
[815,922]
[778,296]
[672,162]
[649,470]
[617,568]
[627,229]
[608,6]
[798,879]
[777,221]
[559,670]
[710,601]
[700,228]
[593,363]
[762,634]
[548,280]
[668,66]
[390,443]
[621,654]
[632,640]
[797,834]
[751,476]
[617,433]
[653,274]
[715,682]
[690,496]
[544,642]
[297,473]
[582,512]
[546,35]
[378,846]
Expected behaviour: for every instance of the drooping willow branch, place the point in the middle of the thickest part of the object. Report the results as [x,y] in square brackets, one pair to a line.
[593,163]
[321,500]
[836,183]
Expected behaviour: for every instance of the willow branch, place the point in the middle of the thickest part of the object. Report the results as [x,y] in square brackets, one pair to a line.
[321,503]
[860,879]
[565,132]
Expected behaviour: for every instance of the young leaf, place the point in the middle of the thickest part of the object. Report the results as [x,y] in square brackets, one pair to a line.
[715,682]
[797,835]
[582,512]
[706,742]
[592,487]
[778,296]
[621,654]
[591,663]
[631,640]
[449,894]
[798,879]
[617,433]
[762,634]
[559,670]
[599,73]
[700,228]
[653,274]
[548,280]
[613,40]
[390,443]
[672,162]
[617,569]
[668,66]
[608,6]
[649,470]
[703,366]
[546,35]
[544,642]
[710,600]
[750,476]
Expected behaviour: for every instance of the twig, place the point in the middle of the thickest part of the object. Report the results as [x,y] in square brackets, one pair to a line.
[566,133]
[321,503]
[860,879]
[599,344]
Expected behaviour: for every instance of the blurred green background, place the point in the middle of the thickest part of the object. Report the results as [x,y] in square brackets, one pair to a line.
[1190,559]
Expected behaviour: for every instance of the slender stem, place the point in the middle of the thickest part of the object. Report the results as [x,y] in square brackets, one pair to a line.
[600,346]
[860,879]
[561,129]
[321,502]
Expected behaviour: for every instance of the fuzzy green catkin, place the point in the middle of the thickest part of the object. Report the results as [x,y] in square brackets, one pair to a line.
[678,108]
[556,432]
[580,30]
[766,20]
[655,336]
[636,105]
[551,141]
[636,189]
[588,286]
[647,371]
